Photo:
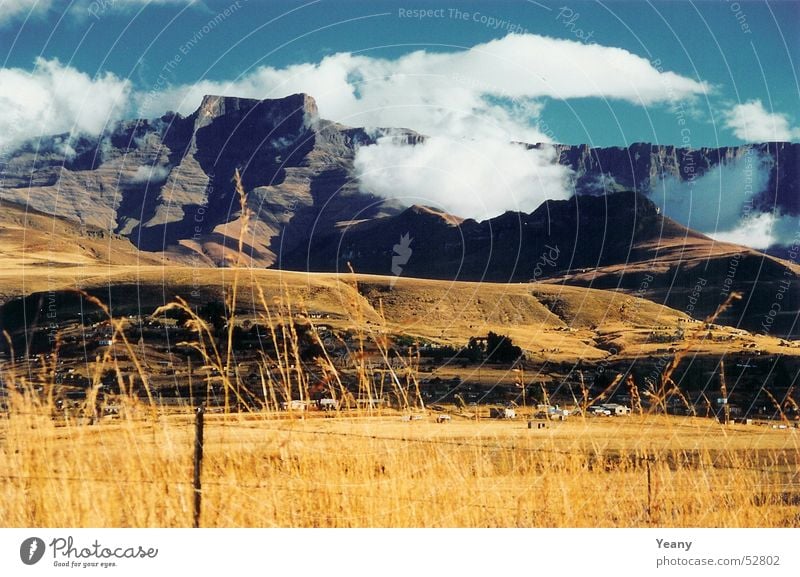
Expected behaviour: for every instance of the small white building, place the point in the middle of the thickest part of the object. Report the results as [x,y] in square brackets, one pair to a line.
[616,409]
[502,413]
[293,405]
[328,405]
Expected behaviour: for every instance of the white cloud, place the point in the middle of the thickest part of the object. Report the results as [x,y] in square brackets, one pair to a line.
[761,231]
[54,98]
[455,93]
[721,203]
[490,94]
[149,174]
[466,178]
[718,199]
[494,89]
[751,122]
[20,9]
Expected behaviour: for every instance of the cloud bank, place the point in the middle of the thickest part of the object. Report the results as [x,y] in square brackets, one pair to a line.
[492,89]
[54,99]
[751,122]
[761,231]
[466,178]
[720,203]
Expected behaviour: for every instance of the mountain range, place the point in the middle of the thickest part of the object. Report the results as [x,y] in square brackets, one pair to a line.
[164,187]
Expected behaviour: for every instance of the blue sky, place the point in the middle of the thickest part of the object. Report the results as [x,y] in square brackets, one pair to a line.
[739,61]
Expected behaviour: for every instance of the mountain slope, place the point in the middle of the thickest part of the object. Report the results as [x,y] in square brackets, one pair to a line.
[618,241]
[32,238]
[36,246]
[581,233]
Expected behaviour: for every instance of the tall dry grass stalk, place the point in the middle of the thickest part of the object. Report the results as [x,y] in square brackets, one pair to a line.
[667,387]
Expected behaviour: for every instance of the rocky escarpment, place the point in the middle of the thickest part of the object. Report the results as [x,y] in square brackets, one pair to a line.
[641,166]
[166,184]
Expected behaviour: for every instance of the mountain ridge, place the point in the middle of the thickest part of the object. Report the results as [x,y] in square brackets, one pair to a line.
[166,186]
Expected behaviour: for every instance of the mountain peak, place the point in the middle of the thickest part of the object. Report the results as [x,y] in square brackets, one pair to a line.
[427,211]
[218,105]
[300,106]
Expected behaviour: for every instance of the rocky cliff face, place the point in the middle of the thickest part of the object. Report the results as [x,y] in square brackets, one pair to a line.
[167,184]
[641,165]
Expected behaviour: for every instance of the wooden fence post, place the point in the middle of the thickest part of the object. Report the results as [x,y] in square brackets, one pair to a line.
[198,463]
[649,493]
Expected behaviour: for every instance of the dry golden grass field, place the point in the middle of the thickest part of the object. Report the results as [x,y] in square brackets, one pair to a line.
[261,470]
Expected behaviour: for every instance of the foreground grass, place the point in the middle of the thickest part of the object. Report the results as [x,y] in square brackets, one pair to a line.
[263,471]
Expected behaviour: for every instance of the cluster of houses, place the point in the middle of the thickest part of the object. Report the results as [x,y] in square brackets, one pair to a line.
[543,412]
